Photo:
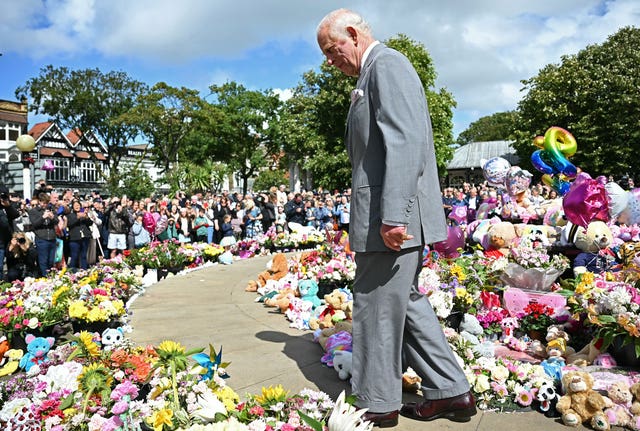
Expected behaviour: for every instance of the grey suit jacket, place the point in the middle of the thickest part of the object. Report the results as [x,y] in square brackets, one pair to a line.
[390,145]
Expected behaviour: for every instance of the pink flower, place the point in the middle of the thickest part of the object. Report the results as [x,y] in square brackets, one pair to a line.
[120,407]
[256,410]
[524,398]
[124,388]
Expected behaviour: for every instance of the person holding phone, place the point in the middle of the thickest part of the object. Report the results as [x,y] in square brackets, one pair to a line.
[43,223]
[78,224]
[22,258]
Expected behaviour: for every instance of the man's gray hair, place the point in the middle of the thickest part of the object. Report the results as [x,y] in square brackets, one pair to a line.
[338,21]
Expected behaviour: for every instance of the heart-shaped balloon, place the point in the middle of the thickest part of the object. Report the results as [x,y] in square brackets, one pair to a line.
[586,201]
[48,165]
[449,247]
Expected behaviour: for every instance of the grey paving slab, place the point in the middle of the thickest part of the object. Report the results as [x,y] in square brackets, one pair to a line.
[211,306]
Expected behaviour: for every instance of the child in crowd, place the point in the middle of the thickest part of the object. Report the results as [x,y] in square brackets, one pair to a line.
[228,238]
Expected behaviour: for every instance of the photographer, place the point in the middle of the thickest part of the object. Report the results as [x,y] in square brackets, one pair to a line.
[21,258]
[43,222]
[8,213]
[78,224]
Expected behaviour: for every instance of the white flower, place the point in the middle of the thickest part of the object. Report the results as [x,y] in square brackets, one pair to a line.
[61,377]
[482,384]
[345,417]
[500,373]
[207,406]
[10,409]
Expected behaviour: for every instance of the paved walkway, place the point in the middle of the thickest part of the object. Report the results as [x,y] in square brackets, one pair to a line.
[210,306]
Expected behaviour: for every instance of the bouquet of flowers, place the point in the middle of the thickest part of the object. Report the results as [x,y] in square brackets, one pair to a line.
[503,384]
[533,268]
[611,307]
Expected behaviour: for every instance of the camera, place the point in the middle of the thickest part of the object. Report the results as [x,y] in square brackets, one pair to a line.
[21,240]
[50,207]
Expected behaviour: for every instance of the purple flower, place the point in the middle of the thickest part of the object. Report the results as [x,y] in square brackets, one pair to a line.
[124,388]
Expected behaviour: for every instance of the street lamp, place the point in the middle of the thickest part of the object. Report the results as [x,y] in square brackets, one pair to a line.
[26,144]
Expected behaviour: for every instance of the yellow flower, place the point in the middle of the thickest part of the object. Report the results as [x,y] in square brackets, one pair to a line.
[587,278]
[160,418]
[57,293]
[228,397]
[272,395]
[78,310]
[88,344]
[94,377]
[96,315]
[458,272]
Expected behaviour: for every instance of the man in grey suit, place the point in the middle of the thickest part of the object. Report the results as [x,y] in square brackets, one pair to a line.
[395,209]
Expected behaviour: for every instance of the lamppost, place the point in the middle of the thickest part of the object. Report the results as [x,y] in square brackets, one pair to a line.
[26,144]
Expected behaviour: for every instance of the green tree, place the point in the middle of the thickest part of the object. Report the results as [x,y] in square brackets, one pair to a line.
[494,127]
[270,177]
[594,95]
[87,100]
[137,184]
[165,116]
[245,132]
[312,125]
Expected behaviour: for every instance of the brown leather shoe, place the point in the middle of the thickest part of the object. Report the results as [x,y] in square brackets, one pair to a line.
[458,409]
[382,420]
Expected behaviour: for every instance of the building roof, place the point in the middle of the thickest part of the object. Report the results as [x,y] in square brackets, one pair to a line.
[40,129]
[469,155]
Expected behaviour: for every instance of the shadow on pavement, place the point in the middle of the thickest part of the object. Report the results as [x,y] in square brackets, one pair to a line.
[306,353]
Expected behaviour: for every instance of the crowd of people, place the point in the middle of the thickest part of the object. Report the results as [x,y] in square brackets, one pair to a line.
[64,229]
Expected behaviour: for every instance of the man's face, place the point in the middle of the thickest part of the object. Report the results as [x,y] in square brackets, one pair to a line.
[340,52]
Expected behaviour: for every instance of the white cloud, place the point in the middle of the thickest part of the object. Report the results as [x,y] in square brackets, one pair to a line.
[481,49]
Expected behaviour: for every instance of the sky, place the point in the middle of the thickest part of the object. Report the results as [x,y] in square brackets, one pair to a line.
[481,49]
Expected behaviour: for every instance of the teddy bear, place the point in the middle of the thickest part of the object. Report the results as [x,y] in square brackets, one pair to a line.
[634,409]
[499,239]
[335,304]
[621,397]
[342,363]
[280,299]
[586,355]
[277,268]
[323,335]
[339,341]
[581,404]
[470,328]
[111,337]
[593,243]
[555,332]
[411,381]
[37,349]
[508,325]
[309,292]
[298,313]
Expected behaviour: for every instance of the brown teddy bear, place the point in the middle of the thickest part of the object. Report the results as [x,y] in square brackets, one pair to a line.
[581,404]
[499,239]
[282,299]
[334,310]
[618,413]
[343,325]
[277,268]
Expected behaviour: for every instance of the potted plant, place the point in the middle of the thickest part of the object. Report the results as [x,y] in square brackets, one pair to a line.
[535,319]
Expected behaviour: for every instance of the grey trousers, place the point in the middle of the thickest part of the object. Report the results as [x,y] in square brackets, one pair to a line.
[395,327]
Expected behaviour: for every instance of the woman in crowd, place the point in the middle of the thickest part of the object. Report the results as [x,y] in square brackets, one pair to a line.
[78,223]
[252,219]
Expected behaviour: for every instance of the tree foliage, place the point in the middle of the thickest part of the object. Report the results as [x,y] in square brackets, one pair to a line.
[137,184]
[312,126]
[495,127]
[87,100]
[165,116]
[593,94]
[246,128]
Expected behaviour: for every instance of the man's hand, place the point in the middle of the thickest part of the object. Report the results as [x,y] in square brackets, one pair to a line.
[394,236]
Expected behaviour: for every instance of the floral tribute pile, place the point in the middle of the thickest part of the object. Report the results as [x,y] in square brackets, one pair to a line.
[89,382]
[518,320]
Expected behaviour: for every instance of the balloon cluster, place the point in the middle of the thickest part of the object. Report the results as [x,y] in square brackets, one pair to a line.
[623,205]
[499,173]
[556,146]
